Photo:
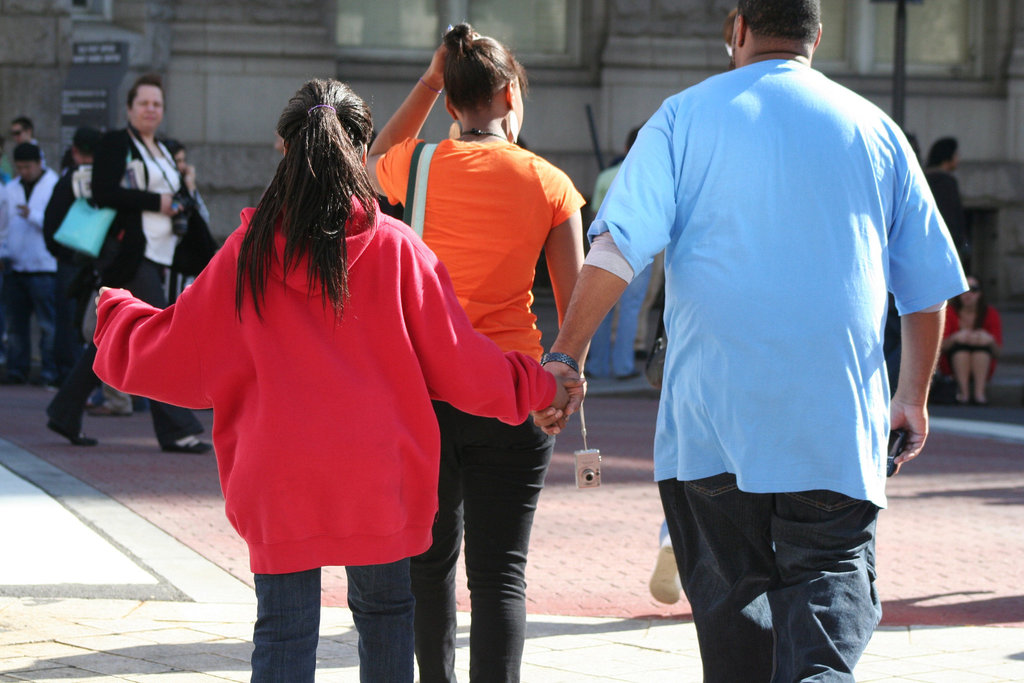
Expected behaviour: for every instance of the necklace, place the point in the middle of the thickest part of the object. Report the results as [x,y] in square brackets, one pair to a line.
[477,131]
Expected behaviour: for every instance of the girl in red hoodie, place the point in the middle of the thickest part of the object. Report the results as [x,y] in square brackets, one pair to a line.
[319,334]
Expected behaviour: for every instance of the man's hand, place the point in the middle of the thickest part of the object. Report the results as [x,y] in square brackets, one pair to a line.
[908,409]
[914,420]
[570,385]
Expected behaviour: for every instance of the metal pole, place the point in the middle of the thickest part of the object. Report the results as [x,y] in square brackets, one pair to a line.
[899,65]
[593,138]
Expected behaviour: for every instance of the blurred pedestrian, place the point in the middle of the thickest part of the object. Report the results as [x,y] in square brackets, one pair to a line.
[611,350]
[134,174]
[23,130]
[971,342]
[70,297]
[30,270]
[943,160]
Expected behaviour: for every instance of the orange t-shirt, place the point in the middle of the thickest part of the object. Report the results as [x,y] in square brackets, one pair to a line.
[489,209]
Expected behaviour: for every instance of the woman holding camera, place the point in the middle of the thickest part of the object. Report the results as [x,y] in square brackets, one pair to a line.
[491,207]
[136,175]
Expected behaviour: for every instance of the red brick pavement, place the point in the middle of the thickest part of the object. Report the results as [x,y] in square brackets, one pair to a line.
[950,546]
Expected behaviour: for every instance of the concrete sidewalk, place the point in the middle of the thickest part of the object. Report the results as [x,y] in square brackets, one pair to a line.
[152,641]
[189,620]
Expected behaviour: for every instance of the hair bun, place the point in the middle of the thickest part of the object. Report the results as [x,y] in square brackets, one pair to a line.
[459,40]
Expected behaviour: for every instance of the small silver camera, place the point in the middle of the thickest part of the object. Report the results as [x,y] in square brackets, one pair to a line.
[588,468]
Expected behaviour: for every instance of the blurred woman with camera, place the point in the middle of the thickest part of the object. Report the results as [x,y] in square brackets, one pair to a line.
[135,174]
[491,207]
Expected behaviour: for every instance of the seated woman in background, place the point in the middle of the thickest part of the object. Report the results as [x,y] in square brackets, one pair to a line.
[970,344]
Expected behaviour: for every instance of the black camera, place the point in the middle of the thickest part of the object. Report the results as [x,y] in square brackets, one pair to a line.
[185,205]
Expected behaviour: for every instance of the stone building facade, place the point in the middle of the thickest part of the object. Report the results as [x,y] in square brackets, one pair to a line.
[230,66]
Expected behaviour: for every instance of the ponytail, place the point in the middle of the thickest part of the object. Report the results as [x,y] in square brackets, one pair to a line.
[318,183]
[477,67]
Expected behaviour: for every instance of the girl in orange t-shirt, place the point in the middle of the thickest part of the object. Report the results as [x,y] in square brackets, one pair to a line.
[491,207]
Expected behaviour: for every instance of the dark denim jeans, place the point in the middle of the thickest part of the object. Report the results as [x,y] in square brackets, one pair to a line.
[781,585]
[25,294]
[490,481]
[288,624]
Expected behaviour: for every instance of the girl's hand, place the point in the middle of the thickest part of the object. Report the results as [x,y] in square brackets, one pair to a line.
[434,76]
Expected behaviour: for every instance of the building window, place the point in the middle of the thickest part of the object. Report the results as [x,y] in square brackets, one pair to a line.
[943,37]
[544,31]
[938,33]
[88,9]
[833,32]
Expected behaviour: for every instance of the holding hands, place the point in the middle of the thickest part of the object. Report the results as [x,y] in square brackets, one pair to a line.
[568,399]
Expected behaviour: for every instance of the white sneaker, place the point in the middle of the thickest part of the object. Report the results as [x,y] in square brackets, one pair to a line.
[664,583]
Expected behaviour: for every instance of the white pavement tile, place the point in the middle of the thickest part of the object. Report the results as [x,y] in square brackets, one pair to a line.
[43,535]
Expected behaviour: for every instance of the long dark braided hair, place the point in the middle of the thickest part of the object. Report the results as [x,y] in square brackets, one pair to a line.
[325,128]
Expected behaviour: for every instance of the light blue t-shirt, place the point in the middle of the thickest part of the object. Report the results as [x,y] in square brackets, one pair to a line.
[788,205]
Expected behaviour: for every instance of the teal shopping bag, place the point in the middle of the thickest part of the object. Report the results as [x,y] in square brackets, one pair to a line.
[85,227]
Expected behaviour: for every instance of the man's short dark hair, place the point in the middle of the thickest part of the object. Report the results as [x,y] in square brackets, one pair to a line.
[787,19]
[942,151]
[26,151]
[25,122]
[86,139]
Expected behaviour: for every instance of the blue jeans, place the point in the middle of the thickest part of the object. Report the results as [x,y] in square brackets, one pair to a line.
[25,294]
[288,624]
[609,356]
[490,480]
[781,585]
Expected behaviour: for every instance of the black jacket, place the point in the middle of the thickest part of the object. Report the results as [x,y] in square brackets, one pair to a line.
[60,203]
[125,246]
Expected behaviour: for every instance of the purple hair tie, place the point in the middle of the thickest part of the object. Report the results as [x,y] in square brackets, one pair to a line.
[317,106]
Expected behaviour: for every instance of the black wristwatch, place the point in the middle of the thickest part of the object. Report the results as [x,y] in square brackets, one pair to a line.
[561,358]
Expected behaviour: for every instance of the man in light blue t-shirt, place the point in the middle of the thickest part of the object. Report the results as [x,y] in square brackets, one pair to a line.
[788,206]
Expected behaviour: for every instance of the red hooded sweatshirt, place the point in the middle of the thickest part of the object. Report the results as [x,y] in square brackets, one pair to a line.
[326,440]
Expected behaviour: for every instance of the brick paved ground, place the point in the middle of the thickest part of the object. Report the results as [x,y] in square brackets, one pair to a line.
[950,545]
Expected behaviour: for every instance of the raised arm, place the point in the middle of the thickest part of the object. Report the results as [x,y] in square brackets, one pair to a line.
[411,115]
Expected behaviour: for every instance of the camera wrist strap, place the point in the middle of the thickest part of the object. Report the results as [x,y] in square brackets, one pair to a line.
[583,427]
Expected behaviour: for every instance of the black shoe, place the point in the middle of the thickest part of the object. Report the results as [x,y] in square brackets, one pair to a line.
[79,439]
[197,448]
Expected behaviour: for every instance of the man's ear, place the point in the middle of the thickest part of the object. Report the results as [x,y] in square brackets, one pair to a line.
[739,32]
[817,40]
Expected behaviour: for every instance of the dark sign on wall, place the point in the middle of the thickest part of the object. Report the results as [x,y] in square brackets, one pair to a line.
[90,94]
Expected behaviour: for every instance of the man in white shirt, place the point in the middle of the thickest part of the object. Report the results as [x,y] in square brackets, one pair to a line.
[30,270]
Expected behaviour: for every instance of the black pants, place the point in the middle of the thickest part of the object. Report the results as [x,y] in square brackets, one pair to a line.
[169,422]
[490,480]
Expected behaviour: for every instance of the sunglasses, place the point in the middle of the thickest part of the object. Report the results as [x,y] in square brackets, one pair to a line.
[974,288]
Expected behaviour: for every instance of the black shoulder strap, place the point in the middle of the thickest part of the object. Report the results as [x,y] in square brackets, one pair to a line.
[410,188]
